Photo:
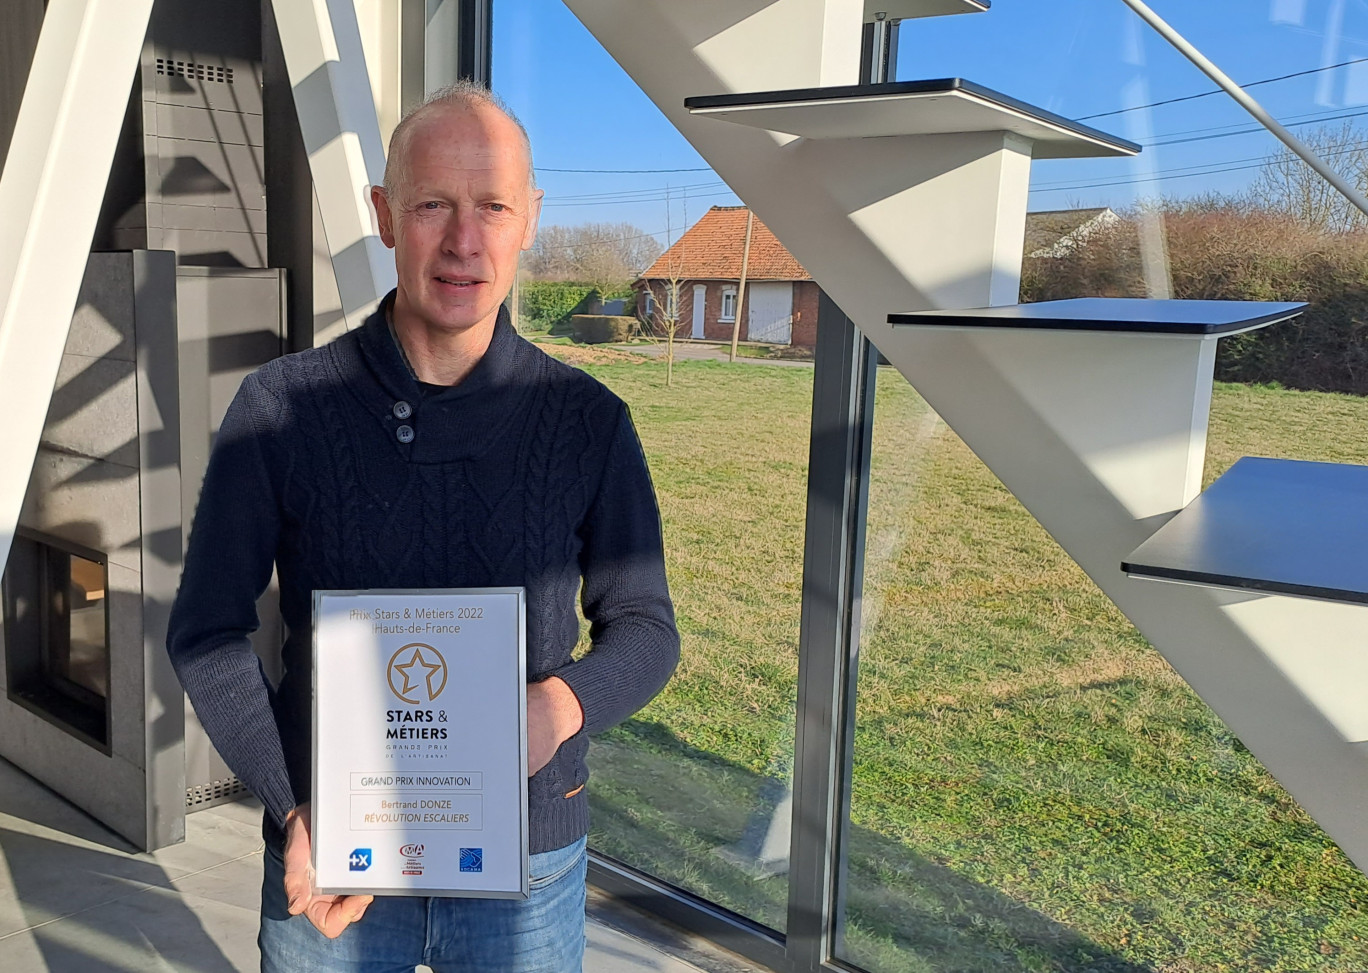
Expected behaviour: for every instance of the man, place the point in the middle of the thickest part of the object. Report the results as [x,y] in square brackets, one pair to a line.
[430,448]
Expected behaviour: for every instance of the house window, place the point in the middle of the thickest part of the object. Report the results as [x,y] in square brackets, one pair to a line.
[650,303]
[55,597]
[728,304]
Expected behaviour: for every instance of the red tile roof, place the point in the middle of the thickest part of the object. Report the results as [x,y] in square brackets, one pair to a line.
[711,250]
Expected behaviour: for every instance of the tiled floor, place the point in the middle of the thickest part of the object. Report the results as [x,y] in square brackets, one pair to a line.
[75,898]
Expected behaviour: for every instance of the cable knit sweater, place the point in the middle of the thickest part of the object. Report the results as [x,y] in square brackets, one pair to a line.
[333,467]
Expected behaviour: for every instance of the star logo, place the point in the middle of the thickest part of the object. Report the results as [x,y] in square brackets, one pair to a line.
[417,673]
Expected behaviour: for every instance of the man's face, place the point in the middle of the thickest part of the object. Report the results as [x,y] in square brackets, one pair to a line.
[463,210]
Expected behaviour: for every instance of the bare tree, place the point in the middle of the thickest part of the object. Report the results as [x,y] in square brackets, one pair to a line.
[665,292]
[1288,185]
[607,255]
[603,267]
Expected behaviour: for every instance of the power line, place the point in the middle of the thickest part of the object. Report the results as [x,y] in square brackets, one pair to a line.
[655,195]
[658,194]
[1081,118]
[1066,183]
[1218,91]
[1201,169]
[1322,115]
[1182,172]
[629,193]
[1257,128]
[662,193]
[624,171]
[644,199]
[1141,179]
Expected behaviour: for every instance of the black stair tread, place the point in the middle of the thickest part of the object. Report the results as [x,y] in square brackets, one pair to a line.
[1273,525]
[1120,314]
[934,107]
[914,9]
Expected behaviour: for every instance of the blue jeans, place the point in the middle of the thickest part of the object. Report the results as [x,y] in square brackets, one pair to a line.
[543,933]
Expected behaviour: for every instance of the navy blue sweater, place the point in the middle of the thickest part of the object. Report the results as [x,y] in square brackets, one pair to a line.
[334,468]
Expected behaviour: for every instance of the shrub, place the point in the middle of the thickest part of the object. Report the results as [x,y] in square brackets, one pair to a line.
[548,304]
[600,329]
[1226,250]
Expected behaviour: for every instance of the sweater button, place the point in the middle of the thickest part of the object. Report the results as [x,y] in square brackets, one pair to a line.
[402,410]
[404,434]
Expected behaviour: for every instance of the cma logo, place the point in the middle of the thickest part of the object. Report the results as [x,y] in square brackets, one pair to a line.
[411,851]
[359,860]
[417,673]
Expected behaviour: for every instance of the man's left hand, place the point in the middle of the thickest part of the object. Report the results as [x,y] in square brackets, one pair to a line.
[553,716]
[330,914]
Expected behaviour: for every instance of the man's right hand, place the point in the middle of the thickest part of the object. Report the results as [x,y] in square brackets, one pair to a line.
[330,914]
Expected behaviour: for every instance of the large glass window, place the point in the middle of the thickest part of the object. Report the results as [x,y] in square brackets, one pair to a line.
[693,790]
[1032,786]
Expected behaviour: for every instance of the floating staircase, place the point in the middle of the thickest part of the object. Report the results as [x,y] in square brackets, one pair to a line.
[907,198]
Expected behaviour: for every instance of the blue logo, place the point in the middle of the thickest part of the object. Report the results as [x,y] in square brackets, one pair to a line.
[359,860]
[472,859]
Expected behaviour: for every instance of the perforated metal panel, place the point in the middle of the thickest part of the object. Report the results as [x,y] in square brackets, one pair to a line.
[203,134]
[200,796]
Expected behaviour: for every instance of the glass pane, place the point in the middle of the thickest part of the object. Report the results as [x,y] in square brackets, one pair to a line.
[56,635]
[694,789]
[1034,787]
[85,656]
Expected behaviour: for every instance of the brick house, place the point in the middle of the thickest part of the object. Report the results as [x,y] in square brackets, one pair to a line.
[780,303]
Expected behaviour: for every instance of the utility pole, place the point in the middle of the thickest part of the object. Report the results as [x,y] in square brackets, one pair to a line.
[741,289]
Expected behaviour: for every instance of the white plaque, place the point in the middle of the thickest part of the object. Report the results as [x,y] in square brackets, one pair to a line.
[420,742]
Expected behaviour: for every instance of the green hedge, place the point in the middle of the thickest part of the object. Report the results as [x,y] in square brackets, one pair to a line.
[1222,250]
[599,329]
[549,304]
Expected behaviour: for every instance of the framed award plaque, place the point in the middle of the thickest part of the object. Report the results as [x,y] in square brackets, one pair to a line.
[420,742]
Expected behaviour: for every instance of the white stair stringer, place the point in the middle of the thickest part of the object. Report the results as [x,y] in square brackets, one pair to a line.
[1100,436]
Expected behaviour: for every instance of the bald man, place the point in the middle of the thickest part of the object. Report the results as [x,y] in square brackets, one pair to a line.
[430,448]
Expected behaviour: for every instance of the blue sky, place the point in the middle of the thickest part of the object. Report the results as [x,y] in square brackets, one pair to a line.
[1072,57]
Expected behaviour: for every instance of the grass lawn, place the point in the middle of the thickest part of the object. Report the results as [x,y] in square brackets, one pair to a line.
[1034,787]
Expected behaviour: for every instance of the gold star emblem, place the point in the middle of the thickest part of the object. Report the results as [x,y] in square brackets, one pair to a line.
[424,670]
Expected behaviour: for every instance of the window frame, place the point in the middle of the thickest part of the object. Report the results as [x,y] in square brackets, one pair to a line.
[728,291]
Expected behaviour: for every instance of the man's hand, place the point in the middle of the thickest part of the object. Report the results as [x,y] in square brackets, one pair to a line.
[553,716]
[330,914]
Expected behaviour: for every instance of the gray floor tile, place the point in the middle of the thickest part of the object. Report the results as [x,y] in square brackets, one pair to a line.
[48,878]
[75,898]
[213,836]
[610,951]
[157,929]
[236,883]
[20,953]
